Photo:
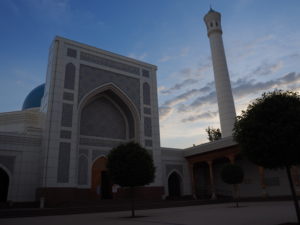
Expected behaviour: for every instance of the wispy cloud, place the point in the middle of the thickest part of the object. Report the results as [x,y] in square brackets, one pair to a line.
[165,111]
[252,87]
[182,53]
[186,95]
[268,68]
[138,56]
[179,86]
[206,96]
[206,115]
[165,58]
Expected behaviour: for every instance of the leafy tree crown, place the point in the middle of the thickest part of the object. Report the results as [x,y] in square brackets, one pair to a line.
[232,174]
[268,132]
[213,133]
[130,165]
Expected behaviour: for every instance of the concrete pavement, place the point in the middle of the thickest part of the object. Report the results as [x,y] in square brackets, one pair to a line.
[250,213]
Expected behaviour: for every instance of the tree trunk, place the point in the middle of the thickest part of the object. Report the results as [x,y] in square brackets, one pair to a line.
[293,192]
[235,191]
[132,201]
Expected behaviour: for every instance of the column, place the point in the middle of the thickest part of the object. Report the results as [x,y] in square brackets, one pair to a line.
[211,177]
[191,168]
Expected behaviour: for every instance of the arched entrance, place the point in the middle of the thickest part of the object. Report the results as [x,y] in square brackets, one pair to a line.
[174,185]
[4,183]
[101,183]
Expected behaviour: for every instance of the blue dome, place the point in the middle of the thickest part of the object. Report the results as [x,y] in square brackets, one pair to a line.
[34,98]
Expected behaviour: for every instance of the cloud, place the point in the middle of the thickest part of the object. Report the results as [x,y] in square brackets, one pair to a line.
[267,68]
[244,88]
[164,111]
[206,115]
[186,95]
[178,86]
[254,87]
[254,43]
[138,57]
[165,58]
[184,51]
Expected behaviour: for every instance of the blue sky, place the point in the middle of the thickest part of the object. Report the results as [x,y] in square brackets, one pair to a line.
[261,38]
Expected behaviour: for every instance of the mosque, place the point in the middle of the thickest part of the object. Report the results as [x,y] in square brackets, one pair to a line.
[55,147]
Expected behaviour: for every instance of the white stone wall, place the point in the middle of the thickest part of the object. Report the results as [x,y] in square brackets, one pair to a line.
[173,161]
[19,157]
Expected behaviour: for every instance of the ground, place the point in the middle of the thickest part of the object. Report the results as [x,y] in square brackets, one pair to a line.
[250,213]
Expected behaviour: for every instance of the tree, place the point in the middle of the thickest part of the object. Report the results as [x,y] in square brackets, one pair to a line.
[213,134]
[268,133]
[130,165]
[234,175]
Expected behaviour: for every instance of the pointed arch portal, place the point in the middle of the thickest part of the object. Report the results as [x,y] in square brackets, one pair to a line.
[174,185]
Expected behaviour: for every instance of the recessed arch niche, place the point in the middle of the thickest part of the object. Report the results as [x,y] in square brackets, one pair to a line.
[108,113]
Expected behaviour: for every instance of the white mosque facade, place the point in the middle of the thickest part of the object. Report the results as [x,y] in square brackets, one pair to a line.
[93,100]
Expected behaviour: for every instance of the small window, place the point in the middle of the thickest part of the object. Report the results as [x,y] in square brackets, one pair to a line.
[211,24]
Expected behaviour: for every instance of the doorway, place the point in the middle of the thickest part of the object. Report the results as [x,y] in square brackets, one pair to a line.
[4,183]
[101,182]
[174,185]
[106,186]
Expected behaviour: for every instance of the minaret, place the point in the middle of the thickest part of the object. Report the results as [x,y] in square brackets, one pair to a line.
[223,88]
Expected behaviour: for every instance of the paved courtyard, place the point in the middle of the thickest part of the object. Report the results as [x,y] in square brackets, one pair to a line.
[254,213]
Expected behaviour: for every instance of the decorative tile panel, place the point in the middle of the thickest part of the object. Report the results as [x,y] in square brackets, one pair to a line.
[63,162]
[147,127]
[148,143]
[91,78]
[67,115]
[71,52]
[146,94]
[69,76]
[65,134]
[146,73]
[68,96]
[109,63]
[101,118]
[82,170]
[147,110]
[99,143]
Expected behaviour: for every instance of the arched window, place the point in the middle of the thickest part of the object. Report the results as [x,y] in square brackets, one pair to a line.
[146,94]
[70,76]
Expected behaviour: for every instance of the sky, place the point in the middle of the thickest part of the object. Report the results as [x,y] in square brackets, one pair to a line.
[261,40]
